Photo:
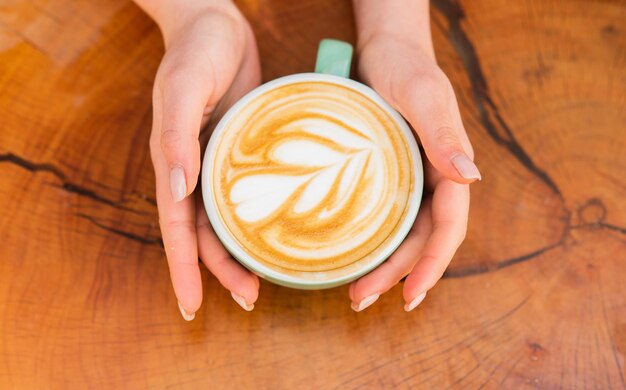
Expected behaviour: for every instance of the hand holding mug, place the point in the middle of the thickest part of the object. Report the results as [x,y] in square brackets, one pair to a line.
[396,58]
[210,61]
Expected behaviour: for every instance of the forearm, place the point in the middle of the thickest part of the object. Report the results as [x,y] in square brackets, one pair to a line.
[169,14]
[407,19]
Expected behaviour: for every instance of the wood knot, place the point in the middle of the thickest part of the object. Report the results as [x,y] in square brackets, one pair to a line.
[538,74]
[609,31]
[536,350]
[593,212]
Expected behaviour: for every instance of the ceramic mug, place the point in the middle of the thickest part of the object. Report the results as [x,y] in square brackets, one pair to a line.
[332,66]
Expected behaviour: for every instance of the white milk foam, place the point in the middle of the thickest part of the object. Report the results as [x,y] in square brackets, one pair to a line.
[258,196]
[313,180]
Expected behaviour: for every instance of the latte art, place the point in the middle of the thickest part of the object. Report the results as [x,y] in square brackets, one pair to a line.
[312,177]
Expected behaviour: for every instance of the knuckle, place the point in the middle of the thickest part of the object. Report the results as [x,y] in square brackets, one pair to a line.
[222,261]
[181,225]
[171,141]
[172,71]
[407,91]
[457,229]
[170,137]
[181,71]
[435,82]
[446,136]
[204,224]
[431,83]
[431,89]
[398,270]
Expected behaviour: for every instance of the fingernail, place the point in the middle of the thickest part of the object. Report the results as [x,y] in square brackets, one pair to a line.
[186,315]
[365,303]
[466,167]
[416,301]
[178,185]
[242,302]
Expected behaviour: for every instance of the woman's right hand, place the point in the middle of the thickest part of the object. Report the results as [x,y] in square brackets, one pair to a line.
[211,60]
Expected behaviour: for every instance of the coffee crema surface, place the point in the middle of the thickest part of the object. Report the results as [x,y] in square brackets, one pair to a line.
[312,179]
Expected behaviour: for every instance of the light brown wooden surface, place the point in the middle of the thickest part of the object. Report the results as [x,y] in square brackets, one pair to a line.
[536,297]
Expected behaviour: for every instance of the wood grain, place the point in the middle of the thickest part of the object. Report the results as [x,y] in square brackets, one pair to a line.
[536,297]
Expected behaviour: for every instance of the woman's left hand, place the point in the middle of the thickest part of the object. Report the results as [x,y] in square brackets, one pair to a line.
[408,77]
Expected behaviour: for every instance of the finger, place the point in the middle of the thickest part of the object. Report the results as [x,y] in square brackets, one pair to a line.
[176,219]
[185,86]
[449,215]
[183,91]
[243,285]
[427,102]
[193,76]
[177,222]
[399,264]
[178,108]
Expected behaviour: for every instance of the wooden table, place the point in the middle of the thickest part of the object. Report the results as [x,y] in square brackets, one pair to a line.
[536,297]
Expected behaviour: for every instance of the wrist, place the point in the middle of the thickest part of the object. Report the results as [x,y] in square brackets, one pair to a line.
[404,20]
[173,15]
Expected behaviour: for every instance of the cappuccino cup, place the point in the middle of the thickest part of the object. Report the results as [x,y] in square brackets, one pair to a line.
[312,180]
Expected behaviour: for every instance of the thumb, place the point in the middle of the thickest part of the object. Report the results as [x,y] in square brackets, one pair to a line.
[182,94]
[195,73]
[426,99]
[428,103]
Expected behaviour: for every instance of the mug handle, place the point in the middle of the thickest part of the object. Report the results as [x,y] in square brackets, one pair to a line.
[334,57]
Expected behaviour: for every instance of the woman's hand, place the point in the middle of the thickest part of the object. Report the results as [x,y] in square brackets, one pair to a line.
[211,60]
[396,58]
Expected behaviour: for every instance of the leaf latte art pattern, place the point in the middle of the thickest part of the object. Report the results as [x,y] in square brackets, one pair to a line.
[312,177]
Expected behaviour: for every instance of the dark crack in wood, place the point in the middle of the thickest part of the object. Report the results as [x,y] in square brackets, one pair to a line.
[612,227]
[490,116]
[122,233]
[495,266]
[147,199]
[65,185]
[484,268]
[73,188]
[31,166]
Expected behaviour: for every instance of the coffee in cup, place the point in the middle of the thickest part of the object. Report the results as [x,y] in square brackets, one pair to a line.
[312,180]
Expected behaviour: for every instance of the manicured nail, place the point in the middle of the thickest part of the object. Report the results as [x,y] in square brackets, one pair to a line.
[178,185]
[365,303]
[466,167]
[186,315]
[242,302]
[416,301]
